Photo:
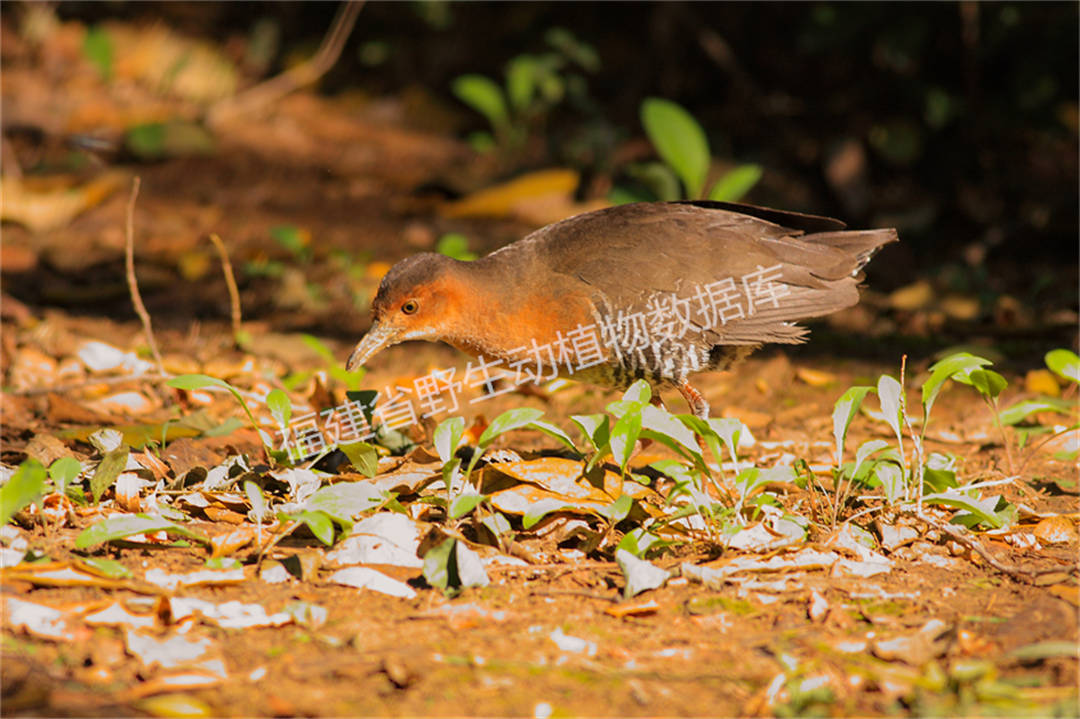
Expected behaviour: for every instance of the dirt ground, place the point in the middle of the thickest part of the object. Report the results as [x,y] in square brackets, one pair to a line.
[551,634]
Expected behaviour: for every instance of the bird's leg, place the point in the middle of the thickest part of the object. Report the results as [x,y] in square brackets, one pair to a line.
[699,406]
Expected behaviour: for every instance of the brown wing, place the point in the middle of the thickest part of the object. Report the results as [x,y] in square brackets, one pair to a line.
[627,254]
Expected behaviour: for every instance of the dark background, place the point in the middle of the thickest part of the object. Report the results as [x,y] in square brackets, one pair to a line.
[967,111]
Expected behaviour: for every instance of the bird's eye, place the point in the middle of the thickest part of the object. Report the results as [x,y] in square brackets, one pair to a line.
[410,307]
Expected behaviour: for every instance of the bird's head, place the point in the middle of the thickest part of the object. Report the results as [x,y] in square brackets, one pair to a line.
[418,299]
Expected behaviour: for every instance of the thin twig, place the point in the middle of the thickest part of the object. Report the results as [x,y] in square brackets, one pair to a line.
[133,284]
[572,593]
[296,77]
[75,386]
[1016,573]
[1031,452]
[230,282]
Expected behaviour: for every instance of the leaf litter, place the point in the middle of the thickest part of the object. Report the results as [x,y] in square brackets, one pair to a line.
[752,568]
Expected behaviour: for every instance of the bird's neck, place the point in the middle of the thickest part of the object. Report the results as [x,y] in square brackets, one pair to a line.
[502,310]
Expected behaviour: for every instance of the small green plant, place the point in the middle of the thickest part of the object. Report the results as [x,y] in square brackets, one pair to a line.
[332,367]
[533,86]
[1022,415]
[683,148]
[909,482]
[455,245]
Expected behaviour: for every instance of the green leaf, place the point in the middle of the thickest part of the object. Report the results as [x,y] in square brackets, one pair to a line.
[106,567]
[538,510]
[293,239]
[890,394]
[553,431]
[521,81]
[440,568]
[595,427]
[450,470]
[988,382]
[497,524]
[319,347]
[1025,408]
[24,487]
[580,52]
[844,411]
[509,420]
[658,178]
[704,430]
[126,525]
[62,471]
[455,245]
[481,141]
[159,140]
[362,456]
[639,392]
[345,501]
[255,496]
[729,429]
[112,464]
[750,479]
[962,362]
[280,407]
[865,450]
[660,425]
[1044,650]
[1064,363]
[223,563]
[464,503]
[98,49]
[939,480]
[679,140]
[317,521]
[483,95]
[622,195]
[891,477]
[190,382]
[623,436]
[637,541]
[617,510]
[983,511]
[735,184]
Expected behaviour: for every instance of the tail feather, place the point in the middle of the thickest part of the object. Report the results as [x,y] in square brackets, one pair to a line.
[863,244]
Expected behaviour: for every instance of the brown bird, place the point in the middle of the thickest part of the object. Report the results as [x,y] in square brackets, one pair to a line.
[654,290]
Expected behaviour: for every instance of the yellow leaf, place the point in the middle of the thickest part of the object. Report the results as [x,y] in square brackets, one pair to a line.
[1056,530]
[502,200]
[815,378]
[912,297]
[376,270]
[41,211]
[1069,593]
[1042,381]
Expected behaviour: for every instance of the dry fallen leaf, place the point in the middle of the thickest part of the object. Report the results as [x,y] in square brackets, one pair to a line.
[1042,381]
[1056,530]
[1068,592]
[912,297]
[632,610]
[50,209]
[226,544]
[815,378]
[502,200]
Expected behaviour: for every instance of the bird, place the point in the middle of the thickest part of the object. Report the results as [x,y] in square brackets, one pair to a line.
[650,290]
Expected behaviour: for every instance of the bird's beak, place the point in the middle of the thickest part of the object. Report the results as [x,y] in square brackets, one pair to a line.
[378,337]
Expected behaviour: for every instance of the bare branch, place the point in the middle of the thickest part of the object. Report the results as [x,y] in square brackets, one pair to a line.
[230,282]
[295,77]
[133,285]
